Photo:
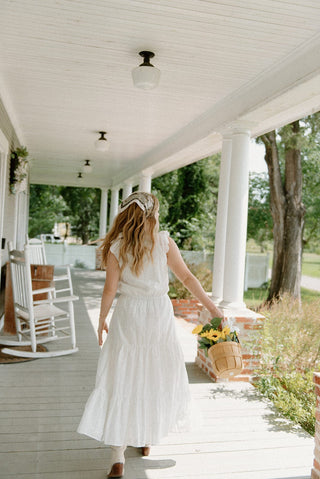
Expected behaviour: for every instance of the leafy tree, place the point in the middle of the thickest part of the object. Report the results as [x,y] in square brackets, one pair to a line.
[188,203]
[164,187]
[83,207]
[292,157]
[53,204]
[47,207]
[259,216]
[311,182]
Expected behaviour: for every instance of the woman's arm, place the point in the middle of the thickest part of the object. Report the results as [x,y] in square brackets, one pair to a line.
[109,292]
[182,272]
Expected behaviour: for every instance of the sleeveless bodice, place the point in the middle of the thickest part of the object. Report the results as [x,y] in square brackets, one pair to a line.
[153,279]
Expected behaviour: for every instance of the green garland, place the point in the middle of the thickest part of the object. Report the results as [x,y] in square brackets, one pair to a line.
[18,170]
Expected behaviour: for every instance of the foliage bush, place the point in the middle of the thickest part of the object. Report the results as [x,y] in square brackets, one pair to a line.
[290,344]
[204,275]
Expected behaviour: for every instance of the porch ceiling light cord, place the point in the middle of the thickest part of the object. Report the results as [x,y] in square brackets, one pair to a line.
[146,76]
[102,143]
[87,168]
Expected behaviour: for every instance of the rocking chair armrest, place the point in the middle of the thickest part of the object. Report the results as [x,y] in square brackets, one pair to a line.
[62,277]
[43,290]
[63,299]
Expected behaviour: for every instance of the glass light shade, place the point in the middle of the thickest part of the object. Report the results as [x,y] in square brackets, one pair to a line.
[102,144]
[87,168]
[146,77]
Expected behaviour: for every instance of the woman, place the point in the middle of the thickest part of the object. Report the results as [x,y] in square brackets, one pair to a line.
[142,389]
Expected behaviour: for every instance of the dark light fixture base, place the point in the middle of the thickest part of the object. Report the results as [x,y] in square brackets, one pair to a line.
[146,55]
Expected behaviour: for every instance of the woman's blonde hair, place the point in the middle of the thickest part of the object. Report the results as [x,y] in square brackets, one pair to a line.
[133,225]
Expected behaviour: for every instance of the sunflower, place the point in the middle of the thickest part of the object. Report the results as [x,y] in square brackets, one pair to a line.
[214,335]
[225,332]
[197,329]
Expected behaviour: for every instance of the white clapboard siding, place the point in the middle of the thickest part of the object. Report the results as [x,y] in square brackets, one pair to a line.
[66,66]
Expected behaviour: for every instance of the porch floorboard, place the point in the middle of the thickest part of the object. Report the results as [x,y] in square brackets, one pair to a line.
[241,436]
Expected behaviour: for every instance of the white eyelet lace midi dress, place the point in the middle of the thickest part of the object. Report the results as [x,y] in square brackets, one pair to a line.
[141,391]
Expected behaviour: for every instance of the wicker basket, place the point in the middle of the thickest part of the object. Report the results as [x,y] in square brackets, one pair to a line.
[226,359]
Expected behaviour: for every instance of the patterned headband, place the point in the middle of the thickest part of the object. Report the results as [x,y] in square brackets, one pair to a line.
[143,200]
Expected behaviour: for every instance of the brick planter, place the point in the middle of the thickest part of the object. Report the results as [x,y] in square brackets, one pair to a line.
[98,258]
[315,473]
[188,309]
[247,322]
[191,310]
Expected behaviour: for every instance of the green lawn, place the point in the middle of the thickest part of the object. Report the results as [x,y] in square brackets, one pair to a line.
[255,296]
[310,262]
[311,265]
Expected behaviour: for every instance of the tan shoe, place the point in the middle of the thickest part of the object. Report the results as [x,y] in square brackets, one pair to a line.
[116,470]
[145,450]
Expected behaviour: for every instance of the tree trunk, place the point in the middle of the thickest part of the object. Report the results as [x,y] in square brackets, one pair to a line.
[287,213]
[294,220]
[277,205]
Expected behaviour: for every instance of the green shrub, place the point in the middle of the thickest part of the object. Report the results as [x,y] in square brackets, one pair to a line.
[290,343]
[204,275]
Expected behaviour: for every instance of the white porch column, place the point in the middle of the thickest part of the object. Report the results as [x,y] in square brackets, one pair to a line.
[127,190]
[235,248]
[145,182]
[114,205]
[103,212]
[221,222]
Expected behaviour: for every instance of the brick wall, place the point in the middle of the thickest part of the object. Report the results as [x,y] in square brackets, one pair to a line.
[187,309]
[247,322]
[98,258]
[315,473]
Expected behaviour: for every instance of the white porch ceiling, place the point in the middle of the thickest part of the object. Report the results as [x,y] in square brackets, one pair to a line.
[65,74]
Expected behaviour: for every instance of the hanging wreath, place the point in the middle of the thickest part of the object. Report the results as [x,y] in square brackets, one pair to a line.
[19,170]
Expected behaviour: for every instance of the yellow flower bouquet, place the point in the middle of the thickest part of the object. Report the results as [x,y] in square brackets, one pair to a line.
[222,345]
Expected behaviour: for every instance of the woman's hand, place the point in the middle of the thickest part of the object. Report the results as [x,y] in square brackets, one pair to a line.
[214,311]
[103,327]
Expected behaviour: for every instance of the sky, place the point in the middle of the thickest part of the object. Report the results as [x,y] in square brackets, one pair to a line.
[257,163]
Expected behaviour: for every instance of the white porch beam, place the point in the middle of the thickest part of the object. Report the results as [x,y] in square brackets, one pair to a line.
[145,182]
[221,222]
[114,205]
[127,190]
[287,91]
[236,232]
[103,212]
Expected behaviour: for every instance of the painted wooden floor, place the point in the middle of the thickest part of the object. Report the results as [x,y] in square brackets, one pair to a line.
[240,435]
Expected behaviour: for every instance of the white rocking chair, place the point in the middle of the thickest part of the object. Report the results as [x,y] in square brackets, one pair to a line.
[37,322]
[37,255]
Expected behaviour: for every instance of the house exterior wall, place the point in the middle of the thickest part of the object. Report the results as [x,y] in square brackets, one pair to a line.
[9,223]
[7,127]
[9,133]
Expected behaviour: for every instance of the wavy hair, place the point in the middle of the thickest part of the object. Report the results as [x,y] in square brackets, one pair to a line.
[133,226]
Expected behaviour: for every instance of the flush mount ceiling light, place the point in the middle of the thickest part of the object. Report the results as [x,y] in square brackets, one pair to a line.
[146,76]
[101,143]
[87,168]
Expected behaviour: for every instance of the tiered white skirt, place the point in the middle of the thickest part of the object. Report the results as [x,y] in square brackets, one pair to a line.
[141,391]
